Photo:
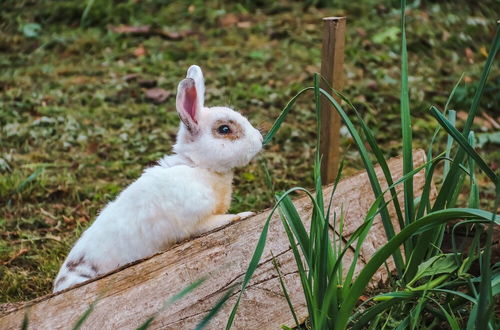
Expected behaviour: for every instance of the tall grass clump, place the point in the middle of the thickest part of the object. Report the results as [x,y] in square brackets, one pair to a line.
[429,288]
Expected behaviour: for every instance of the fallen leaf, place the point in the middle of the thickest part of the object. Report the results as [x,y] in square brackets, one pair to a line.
[172,35]
[67,219]
[79,80]
[469,54]
[228,20]
[58,206]
[15,256]
[244,25]
[48,218]
[126,29]
[484,124]
[140,51]
[361,32]
[492,120]
[462,115]
[483,51]
[157,95]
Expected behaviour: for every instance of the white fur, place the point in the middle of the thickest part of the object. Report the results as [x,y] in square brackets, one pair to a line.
[176,199]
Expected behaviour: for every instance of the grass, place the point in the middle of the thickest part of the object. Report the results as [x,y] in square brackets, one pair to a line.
[75,132]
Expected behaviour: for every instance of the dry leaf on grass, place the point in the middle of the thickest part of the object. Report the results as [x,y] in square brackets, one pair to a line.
[157,95]
[140,51]
[15,256]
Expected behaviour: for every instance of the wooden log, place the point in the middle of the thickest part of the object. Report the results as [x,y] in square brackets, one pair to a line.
[332,69]
[127,297]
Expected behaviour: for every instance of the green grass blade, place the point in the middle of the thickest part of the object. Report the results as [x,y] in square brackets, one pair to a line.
[172,300]
[335,184]
[404,324]
[406,122]
[377,190]
[29,179]
[450,97]
[84,316]
[436,131]
[254,262]
[372,312]
[379,155]
[306,287]
[426,241]
[285,293]
[426,223]
[458,293]
[416,312]
[471,322]
[281,118]
[317,103]
[26,321]
[88,7]
[452,321]
[287,208]
[460,139]
[361,236]
[186,290]
[259,249]
[452,116]
[474,189]
[360,233]
[485,304]
[424,198]
[204,322]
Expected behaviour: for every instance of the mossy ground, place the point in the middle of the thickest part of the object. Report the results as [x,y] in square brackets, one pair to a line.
[76,126]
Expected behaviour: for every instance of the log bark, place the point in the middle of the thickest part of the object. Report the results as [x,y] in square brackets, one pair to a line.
[127,297]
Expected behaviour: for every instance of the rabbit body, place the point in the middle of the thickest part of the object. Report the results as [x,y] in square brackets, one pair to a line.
[186,194]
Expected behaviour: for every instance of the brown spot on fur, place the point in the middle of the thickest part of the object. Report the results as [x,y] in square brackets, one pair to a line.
[72,264]
[236,130]
[60,280]
[85,275]
[222,190]
[94,268]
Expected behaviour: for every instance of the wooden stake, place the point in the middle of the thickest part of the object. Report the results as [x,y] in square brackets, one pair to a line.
[332,69]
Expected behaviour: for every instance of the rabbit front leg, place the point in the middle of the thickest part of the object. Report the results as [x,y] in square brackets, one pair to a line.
[220,220]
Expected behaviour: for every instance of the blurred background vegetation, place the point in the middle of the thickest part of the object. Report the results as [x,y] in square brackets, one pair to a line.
[87,93]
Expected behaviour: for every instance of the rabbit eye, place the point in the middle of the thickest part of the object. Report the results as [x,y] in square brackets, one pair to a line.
[224,129]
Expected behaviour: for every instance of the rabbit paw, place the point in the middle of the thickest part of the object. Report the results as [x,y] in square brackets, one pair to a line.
[244,215]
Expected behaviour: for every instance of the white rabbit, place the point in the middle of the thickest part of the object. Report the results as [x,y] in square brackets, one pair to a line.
[187,193]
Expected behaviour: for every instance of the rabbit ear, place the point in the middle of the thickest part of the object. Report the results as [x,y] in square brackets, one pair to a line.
[194,72]
[188,104]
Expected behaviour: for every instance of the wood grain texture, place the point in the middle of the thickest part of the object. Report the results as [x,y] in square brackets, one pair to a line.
[332,69]
[126,298]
